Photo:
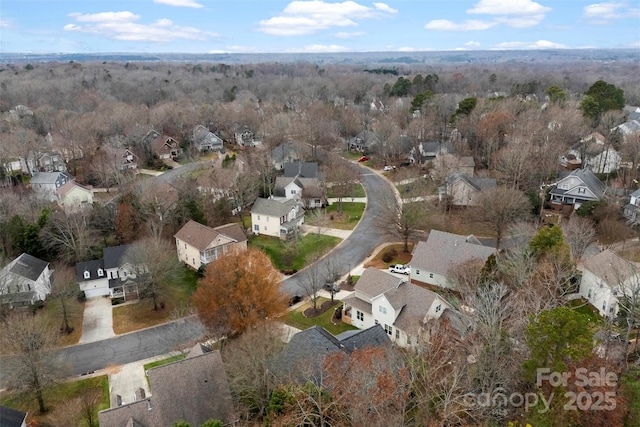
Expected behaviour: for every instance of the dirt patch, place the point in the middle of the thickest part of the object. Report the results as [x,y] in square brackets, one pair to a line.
[310,312]
[401,257]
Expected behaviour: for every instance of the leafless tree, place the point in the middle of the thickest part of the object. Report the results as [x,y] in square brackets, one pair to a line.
[312,281]
[503,207]
[579,233]
[342,177]
[70,235]
[65,286]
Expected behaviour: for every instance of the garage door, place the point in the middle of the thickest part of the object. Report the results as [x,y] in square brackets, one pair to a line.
[96,292]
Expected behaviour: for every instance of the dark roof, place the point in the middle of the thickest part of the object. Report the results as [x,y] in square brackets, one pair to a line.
[302,169]
[114,256]
[200,236]
[90,266]
[374,336]
[11,417]
[29,266]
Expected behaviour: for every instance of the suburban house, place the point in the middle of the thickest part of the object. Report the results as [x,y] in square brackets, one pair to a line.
[365,142]
[125,159]
[433,261]
[447,164]
[580,186]
[244,137]
[301,181]
[605,277]
[194,389]
[73,196]
[304,354]
[430,150]
[47,161]
[463,190]
[376,105]
[632,210]
[24,281]
[402,308]
[46,184]
[165,147]
[287,152]
[596,155]
[205,140]
[633,121]
[114,275]
[198,245]
[10,417]
[277,218]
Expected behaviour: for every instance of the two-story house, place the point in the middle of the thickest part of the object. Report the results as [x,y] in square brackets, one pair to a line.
[580,186]
[301,181]
[632,210]
[205,140]
[606,277]
[115,275]
[165,147]
[199,245]
[24,281]
[400,307]
[46,184]
[434,261]
[463,190]
[287,152]
[73,196]
[596,155]
[277,218]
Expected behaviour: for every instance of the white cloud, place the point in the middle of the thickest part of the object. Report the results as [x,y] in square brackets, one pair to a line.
[520,21]
[5,23]
[446,25]
[320,48]
[349,35]
[180,3]
[604,11]
[407,49]
[472,44]
[540,44]
[508,7]
[307,17]
[123,26]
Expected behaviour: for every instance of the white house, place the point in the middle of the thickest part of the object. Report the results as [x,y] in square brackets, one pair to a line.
[301,182]
[73,196]
[199,245]
[25,280]
[277,218]
[596,155]
[433,261]
[632,210]
[114,275]
[400,307]
[46,184]
[605,277]
[580,186]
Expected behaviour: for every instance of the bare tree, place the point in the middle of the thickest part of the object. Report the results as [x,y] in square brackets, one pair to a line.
[312,281]
[65,286]
[400,219]
[70,235]
[342,177]
[580,233]
[503,207]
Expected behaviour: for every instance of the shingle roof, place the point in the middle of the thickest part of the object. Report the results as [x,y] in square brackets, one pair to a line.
[62,191]
[414,302]
[476,182]
[374,282]
[443,250]
[48,177]
[374,336]
[90,266]
[610,267]
[304,170]
[596,186]
[11,417]
[114,256]
[636,193]
[273,207]
[163,144]
[200,236]
[29,267]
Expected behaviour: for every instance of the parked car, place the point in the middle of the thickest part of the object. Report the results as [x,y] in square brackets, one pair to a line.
[389,168]
[363,159]
[331,287]
[400,268]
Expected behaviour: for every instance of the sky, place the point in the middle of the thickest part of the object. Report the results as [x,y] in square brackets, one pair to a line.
[264,26]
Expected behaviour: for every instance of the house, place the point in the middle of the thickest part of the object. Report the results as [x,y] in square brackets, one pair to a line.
[73,196]
[287,152]
[464,190]
[402,308]
[430,150]
[377,106]
[24,281]
[46,184]
[632,210]
[301,181]
[595,155]
[244,137]
[433,261]
[605,277]
[114,275]
[12,418]
[199,245]
[165,147]
[277,218]
[205,140]
[447,164]
[304,354]
[580,186]
[48,161]
[365,142]
[194,389]
[125,159]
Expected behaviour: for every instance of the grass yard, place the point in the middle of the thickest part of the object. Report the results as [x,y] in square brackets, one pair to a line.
[52,311]
[294,255]
[139,315]
[64,402]
[357,190]
[347,219]
[399,256]
[163,362]
[298,320]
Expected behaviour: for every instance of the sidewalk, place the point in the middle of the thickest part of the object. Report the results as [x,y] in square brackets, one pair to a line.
[335,232]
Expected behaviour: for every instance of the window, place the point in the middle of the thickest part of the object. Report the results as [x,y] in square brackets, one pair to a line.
[360,315]
[397,334]
[193,261]
[265,228]
[258,217]
[382,309]
[185,246]
[377,321]
[438,308]
[256,227]
[87,274]
[388,329]
[430,275]
[267,219]
[417,271]
[589,294]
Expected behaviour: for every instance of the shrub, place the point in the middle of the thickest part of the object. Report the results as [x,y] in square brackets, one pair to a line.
[389,255]
[81,296]
[117,301]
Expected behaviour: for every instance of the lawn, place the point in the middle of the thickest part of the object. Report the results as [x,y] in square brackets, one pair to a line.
[294,255]
[139,315]
[298,320]
[398,256]
[62,400]
[331,218]
[357,190]
[52,311]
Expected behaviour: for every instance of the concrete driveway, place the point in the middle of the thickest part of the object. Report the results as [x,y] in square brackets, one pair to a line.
[97,324]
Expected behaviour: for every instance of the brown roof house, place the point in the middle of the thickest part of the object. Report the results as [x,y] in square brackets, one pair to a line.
[165,147]
[199,245]
[402,308]
[434,260]
[194,390]
[463,190]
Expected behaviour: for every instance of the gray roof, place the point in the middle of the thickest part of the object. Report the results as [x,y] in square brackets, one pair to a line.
[114,256]
[443,251]
[413,302]
[10,417]
[29,267]
[194,389]
[610,267]
[49,177]
[90,266]
[302,169]
[273,207]
[636,193]
[591,181]
[476,182]
[285,150]
[374,282]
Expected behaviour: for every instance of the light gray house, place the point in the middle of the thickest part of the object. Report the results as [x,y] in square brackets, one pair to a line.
[277,218]
[25,280]
[46,184]
[578,187]
[632,210]
[464,190]
[205,140]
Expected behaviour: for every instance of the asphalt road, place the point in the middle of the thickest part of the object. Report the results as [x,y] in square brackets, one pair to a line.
[365,237]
